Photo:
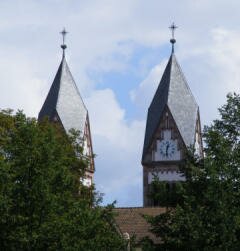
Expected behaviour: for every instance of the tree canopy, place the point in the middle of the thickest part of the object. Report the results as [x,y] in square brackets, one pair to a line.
[206,215]
[43,204]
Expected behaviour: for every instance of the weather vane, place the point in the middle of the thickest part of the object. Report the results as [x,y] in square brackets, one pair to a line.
[173,27]
[64,33]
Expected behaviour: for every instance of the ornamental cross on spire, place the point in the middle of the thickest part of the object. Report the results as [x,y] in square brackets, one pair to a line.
[173,27]
[64,33]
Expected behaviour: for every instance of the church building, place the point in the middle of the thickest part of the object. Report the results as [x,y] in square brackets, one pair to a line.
[173,125]
[65,106]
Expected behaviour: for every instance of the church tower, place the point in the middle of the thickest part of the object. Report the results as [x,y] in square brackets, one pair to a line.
[173,124]
[64,105]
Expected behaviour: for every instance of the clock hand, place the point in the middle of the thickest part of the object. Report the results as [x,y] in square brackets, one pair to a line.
[167,147]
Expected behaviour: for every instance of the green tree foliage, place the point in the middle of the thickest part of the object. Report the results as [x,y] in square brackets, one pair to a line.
[43,205]
[165,194]
[208,217]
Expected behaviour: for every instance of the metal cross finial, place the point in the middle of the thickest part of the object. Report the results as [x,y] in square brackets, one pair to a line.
[64,33]
[173,27]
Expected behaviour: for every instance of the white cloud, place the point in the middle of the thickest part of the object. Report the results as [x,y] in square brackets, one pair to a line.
[108,120]
[213,70]
[143,95]
[103,37]
[225,53]
[118,146]
[20,87]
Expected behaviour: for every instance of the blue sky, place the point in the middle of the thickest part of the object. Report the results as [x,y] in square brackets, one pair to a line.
[117,51]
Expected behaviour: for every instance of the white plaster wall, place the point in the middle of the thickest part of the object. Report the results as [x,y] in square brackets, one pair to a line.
[197,145]
[87,181]
[86,149]
[166,176]
[167,134]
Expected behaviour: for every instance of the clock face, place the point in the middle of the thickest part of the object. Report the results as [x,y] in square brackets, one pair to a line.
[167,149]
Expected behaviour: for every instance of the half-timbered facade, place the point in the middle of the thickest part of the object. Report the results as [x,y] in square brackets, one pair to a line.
[173,125]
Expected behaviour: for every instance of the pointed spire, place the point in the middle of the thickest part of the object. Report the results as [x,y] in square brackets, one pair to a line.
[63,46]
[64,100]
[65,106]
[173,27]
[174,93]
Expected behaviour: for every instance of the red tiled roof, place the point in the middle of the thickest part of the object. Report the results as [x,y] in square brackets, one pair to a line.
[130,220]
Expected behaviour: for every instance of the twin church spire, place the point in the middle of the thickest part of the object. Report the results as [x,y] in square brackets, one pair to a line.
[173,120]
[65,105]
[173,125]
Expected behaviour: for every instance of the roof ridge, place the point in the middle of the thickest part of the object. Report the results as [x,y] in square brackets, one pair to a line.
[168,63]
[64,61]
[185,79]
[61,73]
[160,99]
[51,100]
[65,99]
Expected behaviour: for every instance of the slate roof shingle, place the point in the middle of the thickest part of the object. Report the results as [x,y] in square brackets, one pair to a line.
[64,99]
[173,92]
